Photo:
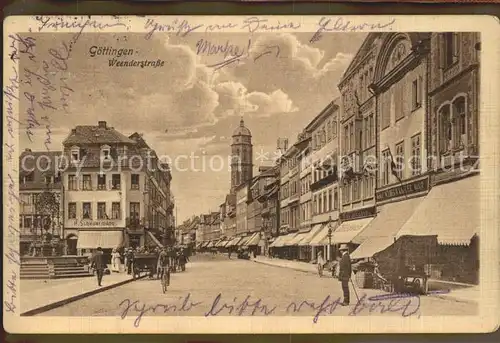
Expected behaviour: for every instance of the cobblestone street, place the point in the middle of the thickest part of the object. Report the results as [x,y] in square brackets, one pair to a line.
[280,290]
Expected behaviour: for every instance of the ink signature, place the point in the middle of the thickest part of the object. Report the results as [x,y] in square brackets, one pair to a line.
[180,28]
[239,309]
[232,53]
[343,25]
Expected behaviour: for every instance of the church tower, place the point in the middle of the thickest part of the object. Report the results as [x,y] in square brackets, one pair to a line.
[241,156]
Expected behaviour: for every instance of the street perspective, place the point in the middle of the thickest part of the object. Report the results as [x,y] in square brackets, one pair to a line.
[249,174]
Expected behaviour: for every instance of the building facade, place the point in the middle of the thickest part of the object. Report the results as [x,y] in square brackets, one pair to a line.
[112,197]
[40,208]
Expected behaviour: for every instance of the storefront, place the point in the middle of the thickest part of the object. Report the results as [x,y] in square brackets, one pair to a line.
[89,240]
[318,241]
[381,232]
[451,211]
[306,242]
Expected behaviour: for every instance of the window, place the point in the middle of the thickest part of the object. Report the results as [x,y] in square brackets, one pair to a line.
[348,192]
[87,210]
[72,183]
[320,203]
[101,181]
[101,210]
[72,210]
[416,167]
[416,93]
[115,210]
[134,210]
[451,46]
[325,202]
[365,143]
[335,199]
[459,123]
[371,133]
[355,190]
[399,92]
[385,110]
[115,181]
[351,140]
[346,139]
[48,179]
[334,127]
[400,160]
[87,182]
[315,205]
[330,200]
[445,129]
[75,154]
[27,222]
[106,152]
[386,162]
[135,181]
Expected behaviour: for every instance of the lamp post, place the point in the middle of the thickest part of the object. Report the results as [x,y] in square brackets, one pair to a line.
[329,238]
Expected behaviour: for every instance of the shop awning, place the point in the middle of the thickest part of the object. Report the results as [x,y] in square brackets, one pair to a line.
[205,244]
[291,237]
[451,211]
[243,241]
[276,241]
[297,239]
[221,243]
[311,234]
[254,240]
[103,239]
[323,234]
[233,242]
[348,230]
[372,246]
[285,239]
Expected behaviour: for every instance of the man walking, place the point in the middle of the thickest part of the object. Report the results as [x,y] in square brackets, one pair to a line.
[130,261]
[345,272]
[98,264]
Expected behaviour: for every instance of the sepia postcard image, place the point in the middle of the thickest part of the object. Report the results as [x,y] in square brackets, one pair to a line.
[244,174]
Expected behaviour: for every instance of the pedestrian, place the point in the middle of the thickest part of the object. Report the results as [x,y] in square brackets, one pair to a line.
[115,261]
[98,264]
[345,271]
[321,264]
[229,253]
[130,261]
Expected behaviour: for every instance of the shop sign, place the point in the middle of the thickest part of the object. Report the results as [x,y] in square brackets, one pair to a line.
[358,214]
[94,223]
[403,190]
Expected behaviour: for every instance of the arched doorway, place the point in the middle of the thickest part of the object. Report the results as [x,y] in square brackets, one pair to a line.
[71,241]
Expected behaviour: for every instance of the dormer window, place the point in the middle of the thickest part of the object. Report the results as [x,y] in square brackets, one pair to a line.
[106,152]
[75,154]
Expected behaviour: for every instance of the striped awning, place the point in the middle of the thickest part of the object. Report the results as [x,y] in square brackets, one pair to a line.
[311,234]
[253,240]
[103,239]
[285,239]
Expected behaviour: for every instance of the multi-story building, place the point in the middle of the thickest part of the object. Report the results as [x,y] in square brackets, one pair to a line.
[241,192]
[110,188]
[398,85]
[451,210]
[358,143]
[324,188]
[39,214]
[270,208]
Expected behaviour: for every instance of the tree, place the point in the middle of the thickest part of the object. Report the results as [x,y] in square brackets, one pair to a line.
[47,206]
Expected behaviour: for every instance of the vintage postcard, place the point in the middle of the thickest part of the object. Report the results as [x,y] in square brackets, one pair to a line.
[244,174]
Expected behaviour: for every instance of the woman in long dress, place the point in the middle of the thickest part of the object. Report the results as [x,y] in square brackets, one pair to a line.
[115,260]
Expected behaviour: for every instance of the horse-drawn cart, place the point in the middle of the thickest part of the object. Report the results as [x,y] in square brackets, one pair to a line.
[145,263]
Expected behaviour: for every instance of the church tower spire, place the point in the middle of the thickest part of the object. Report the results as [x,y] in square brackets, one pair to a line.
[241,156]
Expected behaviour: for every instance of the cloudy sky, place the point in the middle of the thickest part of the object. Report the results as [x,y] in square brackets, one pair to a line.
[190,106]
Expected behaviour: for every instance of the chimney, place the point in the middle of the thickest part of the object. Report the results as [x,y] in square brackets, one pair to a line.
[73,130]
[102,124]
[27,150]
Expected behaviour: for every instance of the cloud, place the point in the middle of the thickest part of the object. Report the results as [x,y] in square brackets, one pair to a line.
[267,105]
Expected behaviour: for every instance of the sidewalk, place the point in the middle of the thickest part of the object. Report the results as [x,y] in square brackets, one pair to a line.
[464,294]
[296,265]
[41,295]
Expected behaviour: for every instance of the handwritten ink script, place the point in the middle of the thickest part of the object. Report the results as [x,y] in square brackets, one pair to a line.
[232,53]
[341,24]
[402,304]
[183,27]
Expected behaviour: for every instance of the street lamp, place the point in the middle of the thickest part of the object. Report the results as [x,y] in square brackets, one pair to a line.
[329,238]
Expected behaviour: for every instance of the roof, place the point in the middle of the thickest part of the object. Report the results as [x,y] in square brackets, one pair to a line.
[96,134]
[318,120]
[242,130]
